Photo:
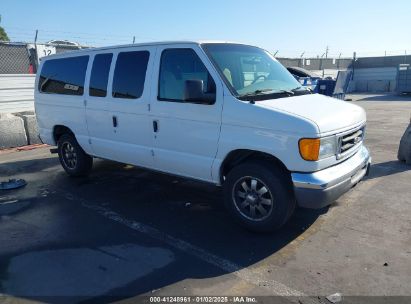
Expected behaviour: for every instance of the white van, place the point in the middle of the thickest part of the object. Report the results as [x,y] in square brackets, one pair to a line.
[224,113]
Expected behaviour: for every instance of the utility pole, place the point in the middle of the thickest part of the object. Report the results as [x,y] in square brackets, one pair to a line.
[338,62]
[134,39]
[326,52]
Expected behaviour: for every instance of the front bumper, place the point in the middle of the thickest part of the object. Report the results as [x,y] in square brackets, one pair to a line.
[319,189]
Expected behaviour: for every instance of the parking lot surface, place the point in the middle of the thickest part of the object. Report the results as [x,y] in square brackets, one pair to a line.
[124,232]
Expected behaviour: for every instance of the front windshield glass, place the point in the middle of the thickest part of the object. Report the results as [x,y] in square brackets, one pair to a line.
[250,70]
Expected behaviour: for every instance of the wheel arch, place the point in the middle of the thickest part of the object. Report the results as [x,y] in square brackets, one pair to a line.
[236,157]
[59,130]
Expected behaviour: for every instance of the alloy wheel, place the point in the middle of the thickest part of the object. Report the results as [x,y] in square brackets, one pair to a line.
[252,198]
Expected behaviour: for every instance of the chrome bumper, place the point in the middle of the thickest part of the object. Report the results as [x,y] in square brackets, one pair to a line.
[321,188]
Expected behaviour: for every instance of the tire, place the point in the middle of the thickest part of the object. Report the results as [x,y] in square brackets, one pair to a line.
[258,175]
[72,157]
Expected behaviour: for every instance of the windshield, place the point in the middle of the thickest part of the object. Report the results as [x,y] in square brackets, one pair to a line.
[250,70]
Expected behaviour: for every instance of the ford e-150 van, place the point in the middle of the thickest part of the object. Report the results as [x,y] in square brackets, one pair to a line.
[224,113]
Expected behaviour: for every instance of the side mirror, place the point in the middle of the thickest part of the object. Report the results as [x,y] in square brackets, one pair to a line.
[194,92]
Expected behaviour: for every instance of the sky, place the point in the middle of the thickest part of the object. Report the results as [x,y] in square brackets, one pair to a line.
[290,27]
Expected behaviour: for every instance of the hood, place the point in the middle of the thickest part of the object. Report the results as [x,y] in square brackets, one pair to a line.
[329,114]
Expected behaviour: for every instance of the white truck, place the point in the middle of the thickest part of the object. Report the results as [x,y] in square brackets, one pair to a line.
[223,113]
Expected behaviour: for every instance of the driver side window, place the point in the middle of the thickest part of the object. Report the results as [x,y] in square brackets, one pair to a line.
[176,67]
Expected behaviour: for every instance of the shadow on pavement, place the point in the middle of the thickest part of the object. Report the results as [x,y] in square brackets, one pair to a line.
[74,254]
[387,168]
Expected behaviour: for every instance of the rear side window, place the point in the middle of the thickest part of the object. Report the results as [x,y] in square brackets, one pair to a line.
[63,76]
[130,74]
[99,75]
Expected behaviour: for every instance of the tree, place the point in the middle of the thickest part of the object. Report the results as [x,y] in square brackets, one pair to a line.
[3,35]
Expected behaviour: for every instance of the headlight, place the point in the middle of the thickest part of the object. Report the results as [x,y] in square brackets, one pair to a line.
[328,147]
[313,149]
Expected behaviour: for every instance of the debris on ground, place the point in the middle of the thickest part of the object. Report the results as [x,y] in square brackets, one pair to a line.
[155,290]
[22,148]
[334,298]
[12,184]
[187,205]
[385,264]
[31,147]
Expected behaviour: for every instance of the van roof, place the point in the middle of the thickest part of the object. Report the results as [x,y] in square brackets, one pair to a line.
[92,49]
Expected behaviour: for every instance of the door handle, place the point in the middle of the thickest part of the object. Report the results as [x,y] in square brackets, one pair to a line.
[155,126]
[115,122]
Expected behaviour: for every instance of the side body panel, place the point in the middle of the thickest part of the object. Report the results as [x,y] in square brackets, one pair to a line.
[251,127]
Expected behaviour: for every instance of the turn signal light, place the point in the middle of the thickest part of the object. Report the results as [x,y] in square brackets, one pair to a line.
[309,148]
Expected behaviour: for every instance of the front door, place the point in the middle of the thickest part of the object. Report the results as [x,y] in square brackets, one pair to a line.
[185,133]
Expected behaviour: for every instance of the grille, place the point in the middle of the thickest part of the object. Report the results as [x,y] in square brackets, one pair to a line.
[351,140]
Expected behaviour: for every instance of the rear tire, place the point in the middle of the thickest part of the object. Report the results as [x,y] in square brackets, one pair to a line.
[259,196]
[72,157]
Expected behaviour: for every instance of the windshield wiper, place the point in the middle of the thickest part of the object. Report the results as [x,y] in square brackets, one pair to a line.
[256,92]
[266,92]
[302,89]
[291,92]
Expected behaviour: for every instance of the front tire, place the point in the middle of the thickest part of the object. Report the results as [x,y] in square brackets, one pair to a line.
[72,157]
[259,196]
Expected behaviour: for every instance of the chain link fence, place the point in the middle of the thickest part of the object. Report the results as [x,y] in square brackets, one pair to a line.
[14,58]
[20,58]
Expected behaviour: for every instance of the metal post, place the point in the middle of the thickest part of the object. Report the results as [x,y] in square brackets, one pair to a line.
[353,64]
[301,58]
[35,47]
[134,39]
[321,63]
[338,62]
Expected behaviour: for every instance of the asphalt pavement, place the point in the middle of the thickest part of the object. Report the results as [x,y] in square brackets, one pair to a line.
[124,232]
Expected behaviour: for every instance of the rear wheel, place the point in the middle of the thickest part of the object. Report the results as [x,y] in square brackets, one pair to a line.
[72,157]
[259,196]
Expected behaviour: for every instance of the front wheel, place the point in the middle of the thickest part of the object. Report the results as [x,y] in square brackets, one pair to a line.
[259,196]
[72,157]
